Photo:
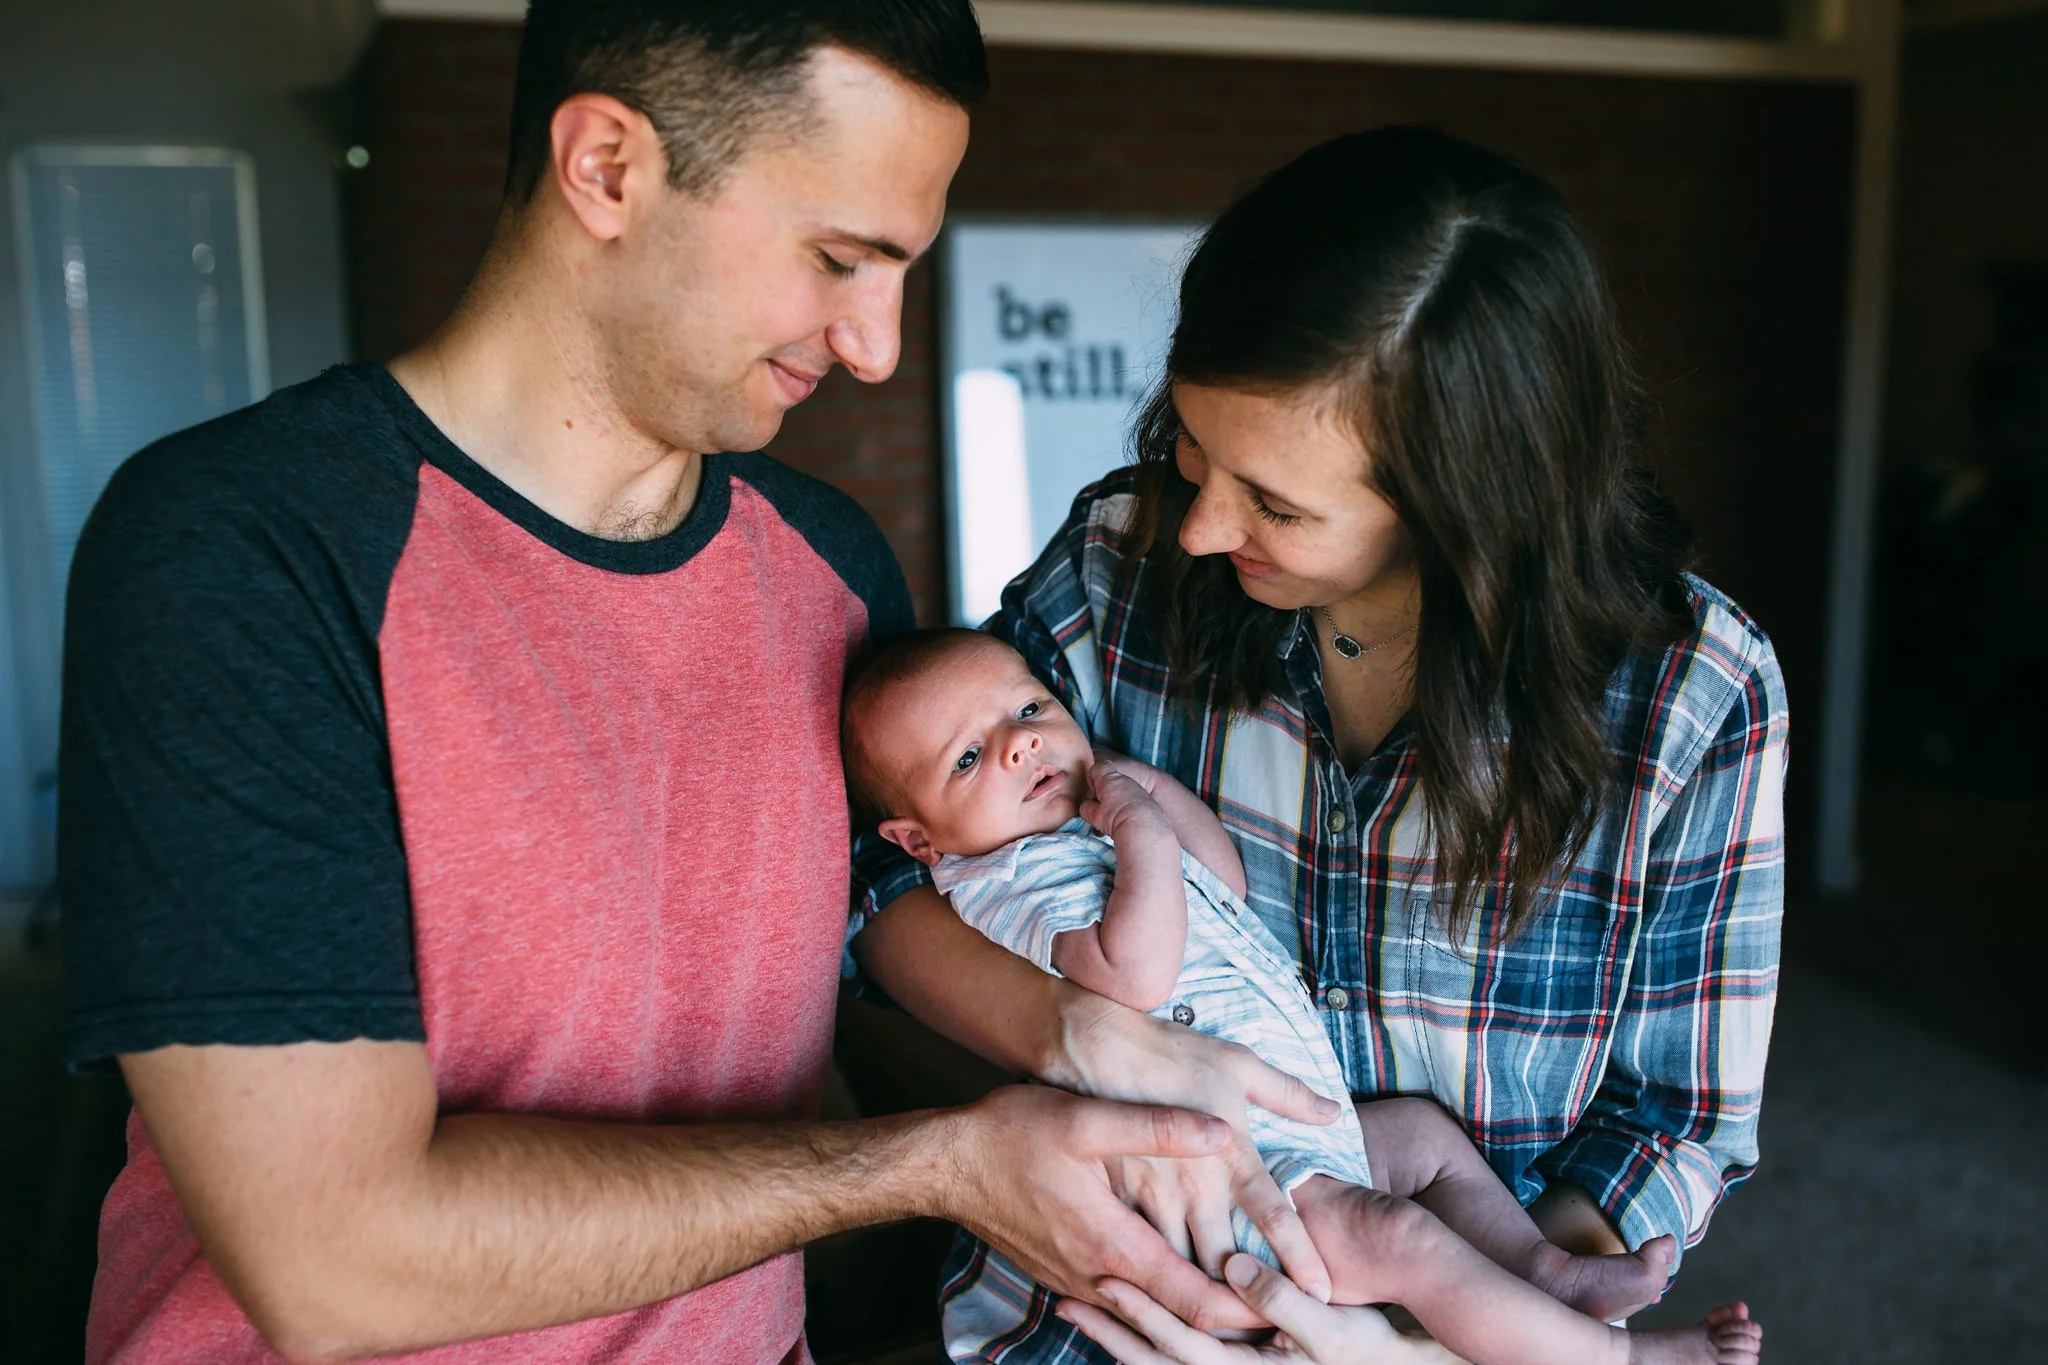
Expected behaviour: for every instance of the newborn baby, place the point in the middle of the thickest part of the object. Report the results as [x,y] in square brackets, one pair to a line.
[1114,875]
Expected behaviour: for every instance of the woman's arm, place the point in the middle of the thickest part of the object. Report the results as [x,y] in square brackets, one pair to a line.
[1673,1124]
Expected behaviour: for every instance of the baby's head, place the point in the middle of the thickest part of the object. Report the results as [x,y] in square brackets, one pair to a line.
[956,748]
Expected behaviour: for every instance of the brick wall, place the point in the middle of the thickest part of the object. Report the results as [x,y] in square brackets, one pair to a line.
[1722,208]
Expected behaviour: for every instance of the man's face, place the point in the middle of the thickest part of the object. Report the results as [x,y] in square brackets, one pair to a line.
[723,312]
[982,754]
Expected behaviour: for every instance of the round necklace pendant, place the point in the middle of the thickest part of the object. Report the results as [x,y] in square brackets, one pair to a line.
[1345,645]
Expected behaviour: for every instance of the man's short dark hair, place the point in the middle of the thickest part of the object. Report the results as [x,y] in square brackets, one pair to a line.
[712,75]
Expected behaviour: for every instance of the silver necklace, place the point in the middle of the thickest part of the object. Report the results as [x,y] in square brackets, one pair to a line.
[1349,647]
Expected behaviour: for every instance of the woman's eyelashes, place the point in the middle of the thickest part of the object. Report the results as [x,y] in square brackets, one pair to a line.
[834,266]
[1265,509]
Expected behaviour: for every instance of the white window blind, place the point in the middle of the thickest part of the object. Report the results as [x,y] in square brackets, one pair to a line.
[141,286]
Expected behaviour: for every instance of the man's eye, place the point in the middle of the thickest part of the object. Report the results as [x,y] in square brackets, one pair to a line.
[833,265]
[968,759]
[1027,710]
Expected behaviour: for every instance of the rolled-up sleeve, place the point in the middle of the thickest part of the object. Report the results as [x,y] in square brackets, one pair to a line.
[1673,1125]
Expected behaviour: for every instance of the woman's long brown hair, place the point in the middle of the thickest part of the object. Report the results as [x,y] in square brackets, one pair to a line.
[1449,298]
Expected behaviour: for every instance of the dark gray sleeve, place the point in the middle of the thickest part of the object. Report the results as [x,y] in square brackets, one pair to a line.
[230,863]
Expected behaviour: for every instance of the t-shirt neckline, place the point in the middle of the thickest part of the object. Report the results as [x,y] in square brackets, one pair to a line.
[660,555]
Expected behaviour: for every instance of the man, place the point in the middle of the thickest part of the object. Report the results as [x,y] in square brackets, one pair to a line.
[454,853]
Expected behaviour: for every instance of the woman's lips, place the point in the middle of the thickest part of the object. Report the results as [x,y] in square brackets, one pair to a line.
[1253,568]
[796,385]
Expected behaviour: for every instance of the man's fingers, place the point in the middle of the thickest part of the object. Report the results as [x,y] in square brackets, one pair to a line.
[1112,1336]
[1273,1214]
[1277,1092]
[1150,1130]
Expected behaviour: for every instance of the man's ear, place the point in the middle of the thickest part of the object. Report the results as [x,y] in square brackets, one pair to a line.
[603,151]
[910,836]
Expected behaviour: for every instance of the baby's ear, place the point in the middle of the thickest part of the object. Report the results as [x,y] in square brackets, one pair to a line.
[910,836]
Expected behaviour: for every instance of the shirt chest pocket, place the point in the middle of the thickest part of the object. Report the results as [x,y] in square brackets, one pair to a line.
[1554,966]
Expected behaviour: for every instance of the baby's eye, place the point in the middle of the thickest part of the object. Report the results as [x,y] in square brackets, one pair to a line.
[968,759]
[1027,710]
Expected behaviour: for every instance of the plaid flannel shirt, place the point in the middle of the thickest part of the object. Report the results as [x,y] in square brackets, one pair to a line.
[1618,1042]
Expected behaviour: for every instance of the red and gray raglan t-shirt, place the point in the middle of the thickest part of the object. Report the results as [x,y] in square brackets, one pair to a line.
[359,743]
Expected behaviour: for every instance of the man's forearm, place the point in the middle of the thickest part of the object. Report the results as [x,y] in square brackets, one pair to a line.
[526,1222]
[348,1220]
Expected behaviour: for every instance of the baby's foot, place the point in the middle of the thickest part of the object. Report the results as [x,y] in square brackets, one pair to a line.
[1606,1287]
[1727,1337]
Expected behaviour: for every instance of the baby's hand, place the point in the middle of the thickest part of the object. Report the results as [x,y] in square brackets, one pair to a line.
[1121,804]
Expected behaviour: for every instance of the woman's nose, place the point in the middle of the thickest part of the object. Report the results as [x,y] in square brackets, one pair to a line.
[1208,529]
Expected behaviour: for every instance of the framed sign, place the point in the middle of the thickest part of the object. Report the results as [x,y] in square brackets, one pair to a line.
[1052,336]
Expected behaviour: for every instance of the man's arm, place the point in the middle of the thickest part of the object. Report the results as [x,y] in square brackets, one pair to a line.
[349,1218]
[1133,953]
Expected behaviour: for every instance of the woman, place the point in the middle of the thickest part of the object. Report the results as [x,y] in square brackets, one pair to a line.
[1388,590]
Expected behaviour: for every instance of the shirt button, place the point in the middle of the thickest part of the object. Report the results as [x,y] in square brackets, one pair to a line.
[1338,820]
[1336,997]
[1183,1014]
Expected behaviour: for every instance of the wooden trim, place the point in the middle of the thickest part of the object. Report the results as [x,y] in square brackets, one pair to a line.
[1338,37]
[1376,38]
[1938,14]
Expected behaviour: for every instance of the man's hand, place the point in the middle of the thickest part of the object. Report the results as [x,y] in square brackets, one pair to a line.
[1033,1180]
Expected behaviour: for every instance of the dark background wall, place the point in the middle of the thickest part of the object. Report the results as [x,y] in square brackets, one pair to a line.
[1722,207]
[1972,191]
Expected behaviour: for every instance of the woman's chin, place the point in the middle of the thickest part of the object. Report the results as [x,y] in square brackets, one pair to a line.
[1267,592]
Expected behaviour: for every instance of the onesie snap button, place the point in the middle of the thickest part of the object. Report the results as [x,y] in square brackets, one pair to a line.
[1183,1014]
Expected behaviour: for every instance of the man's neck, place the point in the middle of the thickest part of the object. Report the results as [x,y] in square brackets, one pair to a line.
[515,386]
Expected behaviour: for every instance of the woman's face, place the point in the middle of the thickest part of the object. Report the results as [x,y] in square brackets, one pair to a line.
[1281,488]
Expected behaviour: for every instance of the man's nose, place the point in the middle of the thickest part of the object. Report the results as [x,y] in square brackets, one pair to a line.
[868,341]
[1208,528]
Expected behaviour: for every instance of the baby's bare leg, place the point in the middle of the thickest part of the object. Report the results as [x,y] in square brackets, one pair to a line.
[1419,1152]
[1384,1249]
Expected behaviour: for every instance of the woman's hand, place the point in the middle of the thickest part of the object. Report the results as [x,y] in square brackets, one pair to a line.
[1114,1053]
[1189,1203]
[1311,1332]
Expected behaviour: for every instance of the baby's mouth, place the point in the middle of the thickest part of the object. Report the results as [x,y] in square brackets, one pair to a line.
[1048,781]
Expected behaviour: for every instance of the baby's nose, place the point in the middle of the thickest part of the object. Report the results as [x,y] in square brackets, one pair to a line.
[1023,744]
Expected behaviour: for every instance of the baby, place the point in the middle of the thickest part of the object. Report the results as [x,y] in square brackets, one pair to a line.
[980,774]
